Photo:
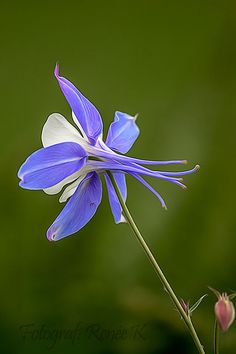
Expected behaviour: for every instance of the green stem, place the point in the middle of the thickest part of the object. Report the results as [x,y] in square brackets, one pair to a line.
[157,268]
[216,338]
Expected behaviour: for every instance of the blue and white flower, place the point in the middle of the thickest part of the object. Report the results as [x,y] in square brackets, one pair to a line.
[76,158]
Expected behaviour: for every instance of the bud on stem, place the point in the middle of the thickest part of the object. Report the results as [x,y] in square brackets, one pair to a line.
[224,312]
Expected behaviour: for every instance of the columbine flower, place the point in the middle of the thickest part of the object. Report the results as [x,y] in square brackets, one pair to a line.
[224,311]
[79,157]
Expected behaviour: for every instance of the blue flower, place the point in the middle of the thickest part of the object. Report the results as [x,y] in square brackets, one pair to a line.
[79,157]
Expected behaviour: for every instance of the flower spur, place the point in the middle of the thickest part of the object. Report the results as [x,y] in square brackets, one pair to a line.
[79,157]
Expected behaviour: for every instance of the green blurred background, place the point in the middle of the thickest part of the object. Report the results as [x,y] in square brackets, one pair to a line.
[174,63]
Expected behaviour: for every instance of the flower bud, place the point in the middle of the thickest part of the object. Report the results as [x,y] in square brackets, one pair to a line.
[185,306]
[224,312]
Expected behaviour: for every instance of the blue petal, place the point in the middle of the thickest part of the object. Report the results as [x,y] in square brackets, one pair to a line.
[85,112]
[140,179]
[122,132]
[133,168]
[102,150]
[79,209]
[48,166]
[113,199]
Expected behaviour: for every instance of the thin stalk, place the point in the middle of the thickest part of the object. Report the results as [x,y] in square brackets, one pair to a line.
[157,268]
[216,338]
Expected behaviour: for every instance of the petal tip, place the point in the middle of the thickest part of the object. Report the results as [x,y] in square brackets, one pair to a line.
[56,70]
[22,183]
[50,235]
[121,220]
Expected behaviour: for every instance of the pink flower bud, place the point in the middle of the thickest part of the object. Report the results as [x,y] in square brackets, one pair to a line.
[224,312]
[185,306]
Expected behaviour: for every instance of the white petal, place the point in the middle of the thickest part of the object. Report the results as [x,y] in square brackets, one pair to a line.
[58,187]
[58,130]
[123,219]
[70,190]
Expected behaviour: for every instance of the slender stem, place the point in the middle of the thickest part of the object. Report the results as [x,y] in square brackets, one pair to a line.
[216,338]
[157,268]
